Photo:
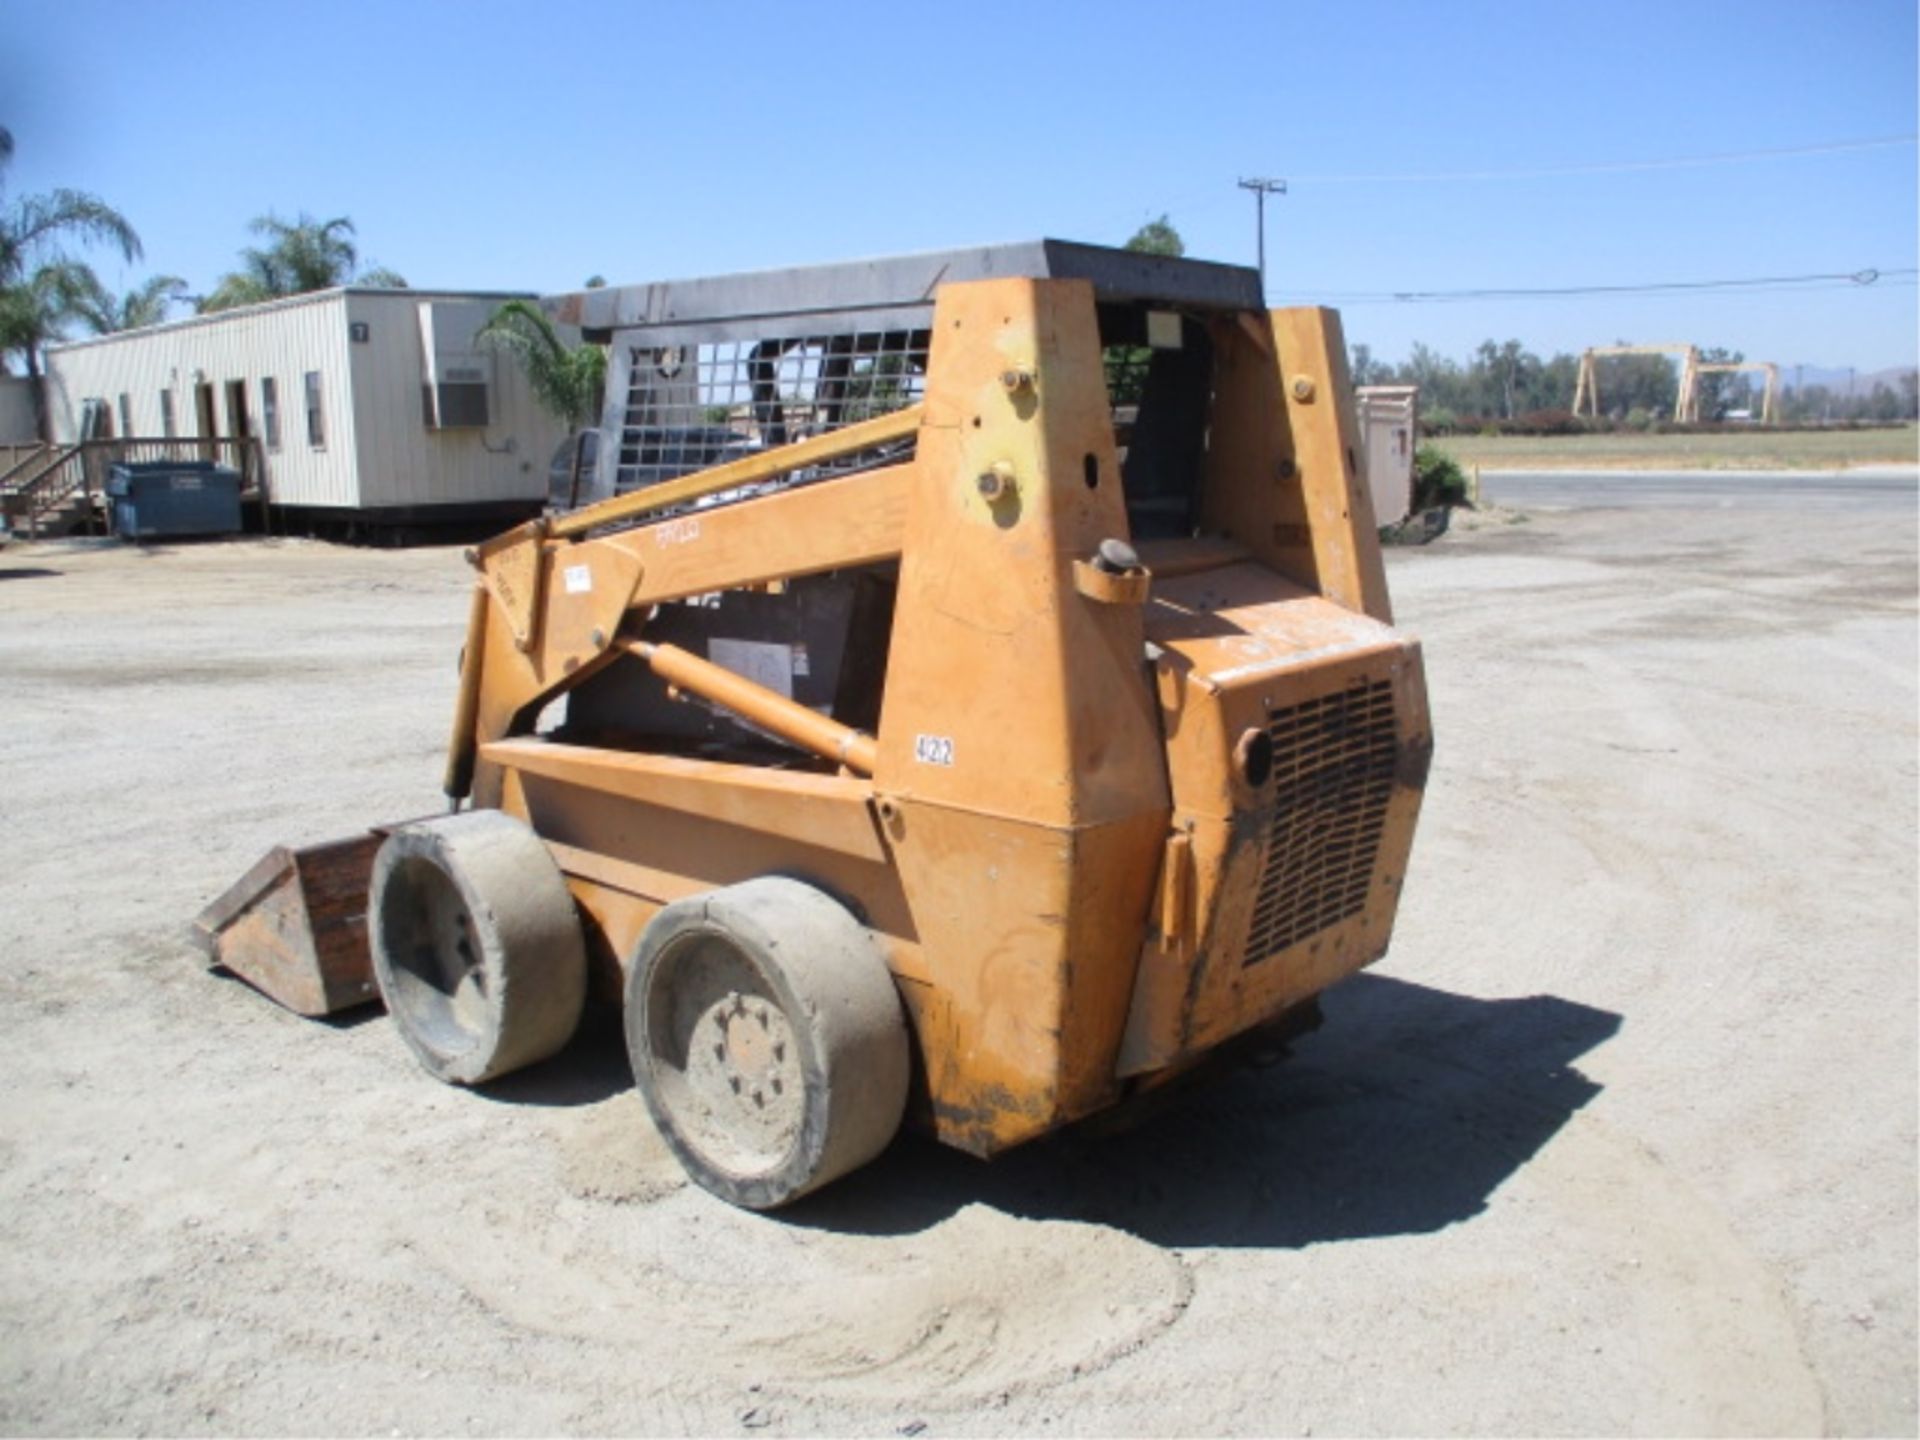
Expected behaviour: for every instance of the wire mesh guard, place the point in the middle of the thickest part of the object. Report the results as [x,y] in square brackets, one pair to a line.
[703,403]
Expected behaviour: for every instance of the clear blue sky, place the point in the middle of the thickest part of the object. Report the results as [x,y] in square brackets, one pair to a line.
[487,145]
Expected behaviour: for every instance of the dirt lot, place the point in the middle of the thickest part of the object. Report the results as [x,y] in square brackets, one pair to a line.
[1620,1138]
[1723,450]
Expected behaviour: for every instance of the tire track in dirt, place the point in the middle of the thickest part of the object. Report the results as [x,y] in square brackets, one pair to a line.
[977,1306]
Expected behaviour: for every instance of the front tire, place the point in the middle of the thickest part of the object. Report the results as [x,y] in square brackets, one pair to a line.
[767,1040]
[476,945]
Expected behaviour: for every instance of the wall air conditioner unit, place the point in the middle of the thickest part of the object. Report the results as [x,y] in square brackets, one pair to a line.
[457,390]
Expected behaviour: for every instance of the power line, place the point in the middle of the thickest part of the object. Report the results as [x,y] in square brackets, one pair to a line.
[1209,200]
[1619,167]
[1837,279]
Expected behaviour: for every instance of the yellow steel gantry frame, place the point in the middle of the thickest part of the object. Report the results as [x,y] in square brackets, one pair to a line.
[1586,392]
[1690,389]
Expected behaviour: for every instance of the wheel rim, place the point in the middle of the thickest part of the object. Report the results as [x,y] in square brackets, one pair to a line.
[725,1056]
[437,978]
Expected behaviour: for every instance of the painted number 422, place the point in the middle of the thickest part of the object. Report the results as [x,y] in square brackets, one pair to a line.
[933,749]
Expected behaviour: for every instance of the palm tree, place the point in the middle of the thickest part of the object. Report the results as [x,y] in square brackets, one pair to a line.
[36,303]
[566,381]
[36,223]
[302,255]
[311,254]
[103,312]
[36,309]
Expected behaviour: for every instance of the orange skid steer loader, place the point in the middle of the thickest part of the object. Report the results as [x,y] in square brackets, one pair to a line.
[978,701]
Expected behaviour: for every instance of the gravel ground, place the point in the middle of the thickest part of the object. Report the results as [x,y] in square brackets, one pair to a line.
[1620,1138]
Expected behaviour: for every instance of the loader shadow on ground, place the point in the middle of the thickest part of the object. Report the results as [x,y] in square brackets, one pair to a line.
[593,1067]
[1402,1116]
[351,1018]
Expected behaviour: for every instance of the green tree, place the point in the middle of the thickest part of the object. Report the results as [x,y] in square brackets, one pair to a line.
[1637,382]
[1557,379]
[36,309]
[566,380]
[1504,373]
[40,284]
[104,313]
[1157,237]
[300,256]
[1365,370]
[1719,391]
[1440,380]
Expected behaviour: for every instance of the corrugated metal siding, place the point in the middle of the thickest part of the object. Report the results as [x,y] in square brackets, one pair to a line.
[402,461]
[378,451]
[284,340]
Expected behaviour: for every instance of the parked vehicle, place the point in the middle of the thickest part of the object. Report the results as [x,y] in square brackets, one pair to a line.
[943,763]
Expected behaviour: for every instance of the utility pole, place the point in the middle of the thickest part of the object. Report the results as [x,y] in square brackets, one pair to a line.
[1261,189]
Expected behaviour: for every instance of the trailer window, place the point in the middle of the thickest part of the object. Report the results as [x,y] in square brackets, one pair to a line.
[316,423]
[270,410]
[126,413]
[96,419]
[168,427]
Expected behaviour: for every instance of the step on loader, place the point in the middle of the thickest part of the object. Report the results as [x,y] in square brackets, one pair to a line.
[1009,719]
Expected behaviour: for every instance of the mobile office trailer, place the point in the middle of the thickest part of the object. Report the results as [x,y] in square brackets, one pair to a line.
[363,406]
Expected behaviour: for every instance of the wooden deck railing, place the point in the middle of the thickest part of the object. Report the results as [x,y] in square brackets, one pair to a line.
[13,454]
[46,478]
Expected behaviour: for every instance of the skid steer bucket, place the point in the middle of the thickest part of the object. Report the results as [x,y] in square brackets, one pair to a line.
[295,926]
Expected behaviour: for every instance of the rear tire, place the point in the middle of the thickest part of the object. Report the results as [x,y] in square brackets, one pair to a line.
[476,945]
[767,1040]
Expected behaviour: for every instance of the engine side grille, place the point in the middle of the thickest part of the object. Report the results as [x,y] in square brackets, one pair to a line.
[1333,766]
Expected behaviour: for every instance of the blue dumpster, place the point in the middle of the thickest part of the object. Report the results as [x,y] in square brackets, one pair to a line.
[157,498]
